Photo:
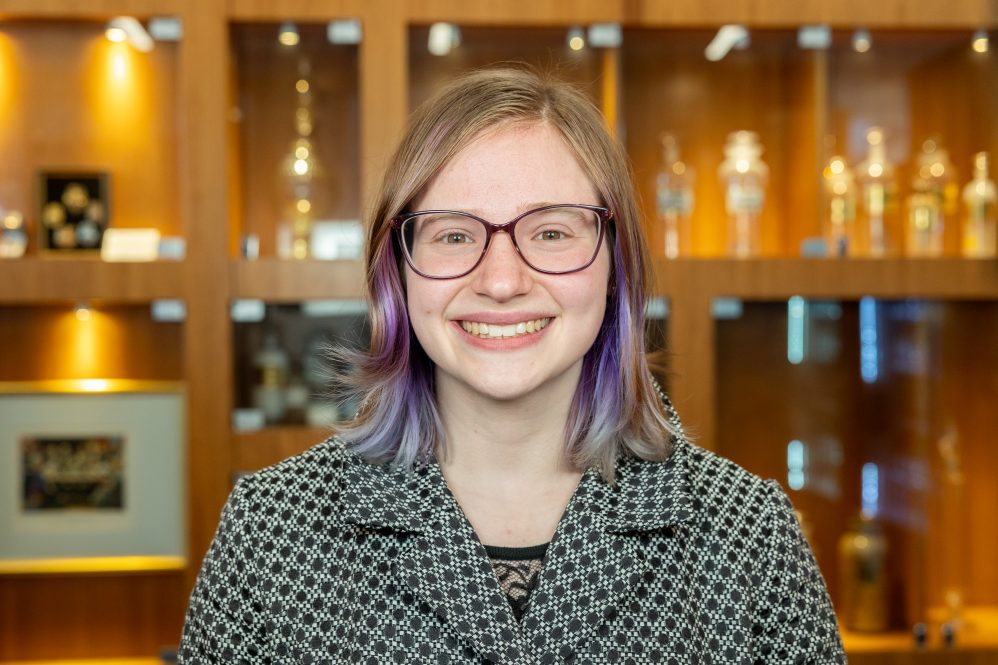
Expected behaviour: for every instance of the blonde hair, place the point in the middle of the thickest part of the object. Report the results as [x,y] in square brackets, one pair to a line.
[616,408]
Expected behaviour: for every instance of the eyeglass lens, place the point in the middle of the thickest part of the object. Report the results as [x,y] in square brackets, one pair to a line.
[554,240]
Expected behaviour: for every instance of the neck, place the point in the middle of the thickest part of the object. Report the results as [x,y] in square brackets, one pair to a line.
[507,443]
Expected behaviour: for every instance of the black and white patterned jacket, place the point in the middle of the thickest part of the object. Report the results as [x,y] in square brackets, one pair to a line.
[325,558]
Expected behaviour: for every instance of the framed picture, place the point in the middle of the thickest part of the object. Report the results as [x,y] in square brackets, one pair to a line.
[92,480]
[73,211]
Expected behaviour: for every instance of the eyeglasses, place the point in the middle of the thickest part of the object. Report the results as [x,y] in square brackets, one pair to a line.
[554,239]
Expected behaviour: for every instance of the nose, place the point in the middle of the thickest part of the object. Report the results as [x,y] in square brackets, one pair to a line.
[502,274]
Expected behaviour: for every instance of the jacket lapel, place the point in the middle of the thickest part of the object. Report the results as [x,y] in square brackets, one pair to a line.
[440,558]
[598,557]
[600,553]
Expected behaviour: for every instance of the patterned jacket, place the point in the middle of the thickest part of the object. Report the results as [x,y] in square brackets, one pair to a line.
[325,558]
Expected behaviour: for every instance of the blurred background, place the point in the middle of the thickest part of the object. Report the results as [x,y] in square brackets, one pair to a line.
[183,186]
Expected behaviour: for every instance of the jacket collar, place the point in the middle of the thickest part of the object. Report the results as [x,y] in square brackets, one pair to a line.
[441,561]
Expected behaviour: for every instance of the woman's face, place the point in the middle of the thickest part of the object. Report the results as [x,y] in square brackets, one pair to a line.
[500,175]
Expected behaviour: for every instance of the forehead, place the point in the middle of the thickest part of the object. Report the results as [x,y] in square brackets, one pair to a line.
[505,170]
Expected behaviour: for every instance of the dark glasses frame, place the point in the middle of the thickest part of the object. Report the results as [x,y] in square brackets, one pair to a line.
[605,215]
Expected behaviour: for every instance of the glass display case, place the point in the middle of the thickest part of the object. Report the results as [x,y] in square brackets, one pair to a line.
[876,415]
[294,140]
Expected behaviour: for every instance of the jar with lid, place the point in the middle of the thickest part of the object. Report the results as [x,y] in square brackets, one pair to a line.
[743,177]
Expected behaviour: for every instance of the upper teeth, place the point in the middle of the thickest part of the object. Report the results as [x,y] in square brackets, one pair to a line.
[512,330]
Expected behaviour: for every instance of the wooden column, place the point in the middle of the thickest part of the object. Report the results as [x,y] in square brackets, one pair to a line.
[208,344]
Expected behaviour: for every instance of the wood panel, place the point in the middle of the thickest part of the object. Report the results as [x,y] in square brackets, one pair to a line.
[791,13]
[256,450]
[113,110]
[50,280]
[207,361]
[384,68]
[292,281]
[49,342]
[94,616]
[304,10]
[958,279]
[515,12]
[93,9]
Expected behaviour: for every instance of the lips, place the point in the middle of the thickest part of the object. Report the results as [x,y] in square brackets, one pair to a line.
[500,331]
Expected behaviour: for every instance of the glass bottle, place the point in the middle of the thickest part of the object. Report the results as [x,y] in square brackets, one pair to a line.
[933,197]
[863,576]
[271,379]
[980,223]
[877,191]
[840,220]
[674,185]
[743,176]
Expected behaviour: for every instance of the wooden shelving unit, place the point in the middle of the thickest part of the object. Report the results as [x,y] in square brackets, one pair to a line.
[205,153]
[34,280]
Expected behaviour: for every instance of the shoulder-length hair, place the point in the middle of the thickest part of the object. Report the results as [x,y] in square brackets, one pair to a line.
[616,409]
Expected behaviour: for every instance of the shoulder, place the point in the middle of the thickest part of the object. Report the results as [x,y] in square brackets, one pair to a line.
[306,482]
[728,499]
[713,476]
[692,487]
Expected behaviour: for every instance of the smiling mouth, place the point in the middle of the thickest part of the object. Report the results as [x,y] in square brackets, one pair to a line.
[492,331]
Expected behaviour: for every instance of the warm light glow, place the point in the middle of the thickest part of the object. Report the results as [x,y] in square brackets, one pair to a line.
[874,136]
[839,188]
[442,38]
[288,34]
[95,385]
[301,152]
[9,88]
[576,39]
[116,35]
[742,166]
[981,43]
[862,41]
[83,312]
[119,65]
[302,86]
[301,167]
[837,166]
[937,169]
[679,168]
[876,170]
[303,205]
[134,33]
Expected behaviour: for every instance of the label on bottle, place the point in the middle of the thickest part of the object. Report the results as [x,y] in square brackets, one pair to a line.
[675,201]
[875,198]
[743,198]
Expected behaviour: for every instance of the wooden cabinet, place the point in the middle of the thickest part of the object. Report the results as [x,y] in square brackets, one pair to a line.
[194,135]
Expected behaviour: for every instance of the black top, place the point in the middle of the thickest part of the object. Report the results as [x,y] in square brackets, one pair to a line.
[517,568]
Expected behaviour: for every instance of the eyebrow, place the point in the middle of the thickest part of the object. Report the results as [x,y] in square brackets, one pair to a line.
[477,212]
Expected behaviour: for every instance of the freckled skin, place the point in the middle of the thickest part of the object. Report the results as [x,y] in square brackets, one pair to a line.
[498,176]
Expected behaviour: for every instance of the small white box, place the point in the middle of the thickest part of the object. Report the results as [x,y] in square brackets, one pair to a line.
[130,245]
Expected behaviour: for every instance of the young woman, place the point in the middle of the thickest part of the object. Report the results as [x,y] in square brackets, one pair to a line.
[515,488]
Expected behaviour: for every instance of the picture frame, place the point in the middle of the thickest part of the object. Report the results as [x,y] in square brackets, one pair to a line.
[92,476]
[73,211]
